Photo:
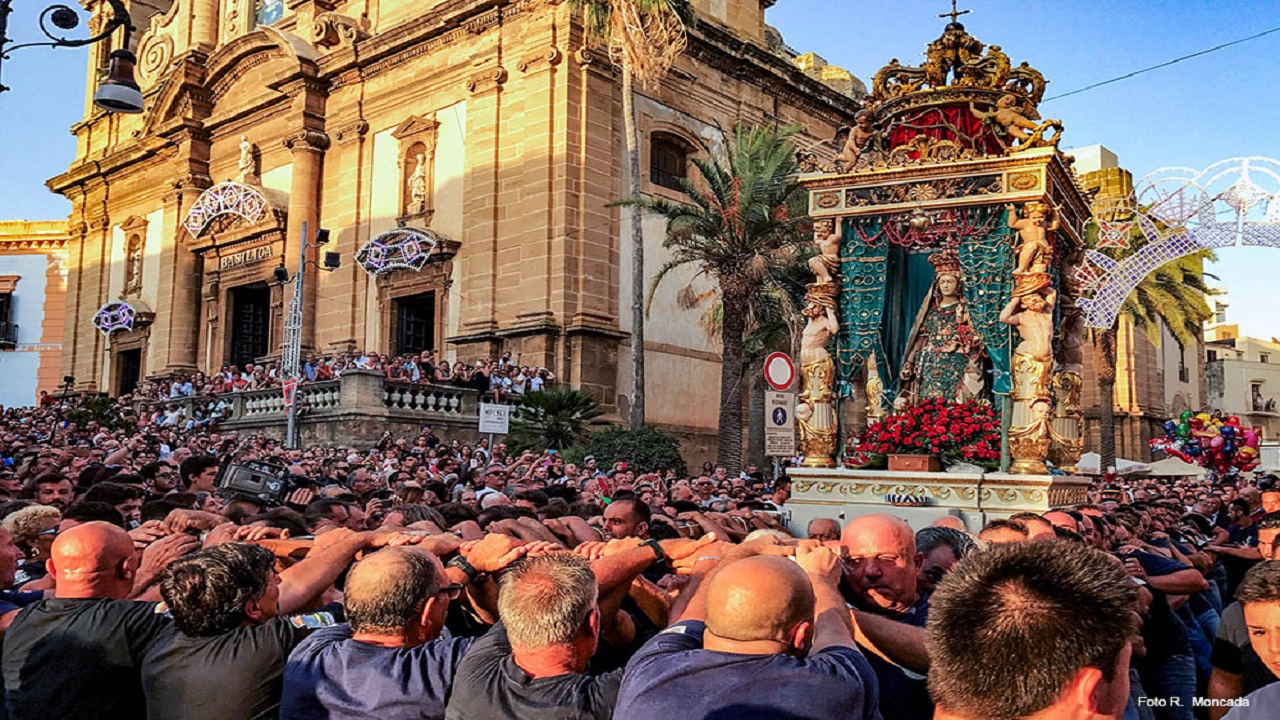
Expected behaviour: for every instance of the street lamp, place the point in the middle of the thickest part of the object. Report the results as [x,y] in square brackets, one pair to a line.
[119,92]
[291,360]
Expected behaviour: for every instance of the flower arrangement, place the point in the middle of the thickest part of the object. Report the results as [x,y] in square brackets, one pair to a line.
[953,432]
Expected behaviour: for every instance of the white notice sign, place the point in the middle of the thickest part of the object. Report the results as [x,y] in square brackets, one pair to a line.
[495,418]
[779,424]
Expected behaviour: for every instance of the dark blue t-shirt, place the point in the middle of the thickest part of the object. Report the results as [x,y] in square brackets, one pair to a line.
[332,676]
[904,695]
[673,677]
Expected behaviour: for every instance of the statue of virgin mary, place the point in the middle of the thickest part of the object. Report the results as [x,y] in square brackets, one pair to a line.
[944,354]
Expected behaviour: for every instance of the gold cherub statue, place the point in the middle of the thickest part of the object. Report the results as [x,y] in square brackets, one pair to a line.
[1034,250]
[861,132]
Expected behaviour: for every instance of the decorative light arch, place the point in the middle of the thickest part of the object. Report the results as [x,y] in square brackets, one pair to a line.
[400,249]
[1231,202]
[227,198]
[115,316]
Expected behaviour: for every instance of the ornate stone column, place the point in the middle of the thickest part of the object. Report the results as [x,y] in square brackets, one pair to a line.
[308,146]
[176,340]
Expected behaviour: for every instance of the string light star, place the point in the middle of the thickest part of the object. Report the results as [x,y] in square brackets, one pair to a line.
[1114,234]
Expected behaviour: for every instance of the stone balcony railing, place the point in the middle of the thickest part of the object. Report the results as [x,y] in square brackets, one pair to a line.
[354,409]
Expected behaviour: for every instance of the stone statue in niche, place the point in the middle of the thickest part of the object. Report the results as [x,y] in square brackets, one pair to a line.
[418,187]
[133,264]
[248,164]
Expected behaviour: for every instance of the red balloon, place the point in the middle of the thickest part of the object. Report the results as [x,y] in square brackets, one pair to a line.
[1233,420]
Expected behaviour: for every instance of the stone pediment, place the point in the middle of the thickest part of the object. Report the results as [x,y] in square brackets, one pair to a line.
[413,126]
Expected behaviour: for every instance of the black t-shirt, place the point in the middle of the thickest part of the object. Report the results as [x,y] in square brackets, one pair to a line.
[80,659]
[489,685]
[237,676]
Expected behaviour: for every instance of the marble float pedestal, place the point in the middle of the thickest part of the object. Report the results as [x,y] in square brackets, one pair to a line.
[975,498]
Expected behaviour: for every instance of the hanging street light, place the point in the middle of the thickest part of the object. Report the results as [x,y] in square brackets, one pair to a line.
[119,92]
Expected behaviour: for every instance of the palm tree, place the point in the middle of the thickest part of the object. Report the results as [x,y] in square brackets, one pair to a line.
[741,228]
[1173,296]
[773,324]
[554,419]
[644,38]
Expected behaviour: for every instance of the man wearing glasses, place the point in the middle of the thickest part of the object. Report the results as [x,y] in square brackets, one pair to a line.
[880,573]
[160,477]
[495,481]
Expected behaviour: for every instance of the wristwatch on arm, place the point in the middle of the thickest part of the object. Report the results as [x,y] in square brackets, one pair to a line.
[474,576]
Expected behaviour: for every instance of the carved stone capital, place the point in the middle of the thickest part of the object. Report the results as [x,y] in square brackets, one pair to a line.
[307,139]
[332,29]
[492,79]
[548,58]
[352,130]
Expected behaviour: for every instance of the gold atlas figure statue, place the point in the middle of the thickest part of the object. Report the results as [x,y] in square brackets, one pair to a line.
[816,411]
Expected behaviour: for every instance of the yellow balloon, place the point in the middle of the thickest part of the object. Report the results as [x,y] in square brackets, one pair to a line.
[1204,417]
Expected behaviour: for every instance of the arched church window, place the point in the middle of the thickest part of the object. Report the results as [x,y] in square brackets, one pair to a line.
[668,160]
[266,12]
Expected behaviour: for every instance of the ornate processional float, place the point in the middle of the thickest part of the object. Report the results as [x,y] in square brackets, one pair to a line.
[948,228]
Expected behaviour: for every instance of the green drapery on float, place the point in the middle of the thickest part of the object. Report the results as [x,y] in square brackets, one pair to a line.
[986,263]
[911,273]
[862,284]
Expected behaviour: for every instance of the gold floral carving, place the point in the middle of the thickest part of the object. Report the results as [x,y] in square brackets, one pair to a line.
[1024,180]
[826,200]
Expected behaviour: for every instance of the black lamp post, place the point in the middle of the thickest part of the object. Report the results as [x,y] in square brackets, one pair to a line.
[119,92]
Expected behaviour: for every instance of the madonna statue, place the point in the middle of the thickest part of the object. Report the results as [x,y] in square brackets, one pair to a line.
[943,349]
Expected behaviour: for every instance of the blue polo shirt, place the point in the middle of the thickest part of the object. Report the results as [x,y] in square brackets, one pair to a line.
[332,676]
[673,677]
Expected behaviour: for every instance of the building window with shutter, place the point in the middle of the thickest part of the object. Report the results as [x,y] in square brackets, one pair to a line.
[668,160]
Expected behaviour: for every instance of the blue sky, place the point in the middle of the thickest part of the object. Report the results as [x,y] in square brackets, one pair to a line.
[1219,106]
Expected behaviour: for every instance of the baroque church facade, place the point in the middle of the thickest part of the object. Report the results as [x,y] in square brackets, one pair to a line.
[462,155]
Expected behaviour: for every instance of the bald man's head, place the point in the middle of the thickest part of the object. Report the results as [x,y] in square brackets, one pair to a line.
[759,598]
[882,564]
[950,521]
[386,592]
[94,560]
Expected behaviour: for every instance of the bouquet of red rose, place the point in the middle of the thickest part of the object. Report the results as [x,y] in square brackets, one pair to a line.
[954,432]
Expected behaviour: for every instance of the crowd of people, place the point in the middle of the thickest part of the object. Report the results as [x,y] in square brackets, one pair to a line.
[429,578]
[501,378]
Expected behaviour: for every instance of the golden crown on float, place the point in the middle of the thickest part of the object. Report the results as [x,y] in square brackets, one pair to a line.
[966,101]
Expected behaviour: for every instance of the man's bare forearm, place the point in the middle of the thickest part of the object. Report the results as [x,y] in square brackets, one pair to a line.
[899,643]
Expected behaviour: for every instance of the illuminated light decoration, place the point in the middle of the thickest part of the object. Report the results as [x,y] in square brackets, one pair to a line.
[1087,276]
[115,316]
[399,249]
[228,198]
[1224,205]
[1244,195]
[1114,234]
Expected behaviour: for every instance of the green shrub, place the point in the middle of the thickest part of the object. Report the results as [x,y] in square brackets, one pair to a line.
[646,450]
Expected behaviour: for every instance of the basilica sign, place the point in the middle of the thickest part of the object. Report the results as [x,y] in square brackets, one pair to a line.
[244,257]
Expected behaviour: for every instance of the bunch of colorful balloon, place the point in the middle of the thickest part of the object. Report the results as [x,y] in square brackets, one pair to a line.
[1215,443]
